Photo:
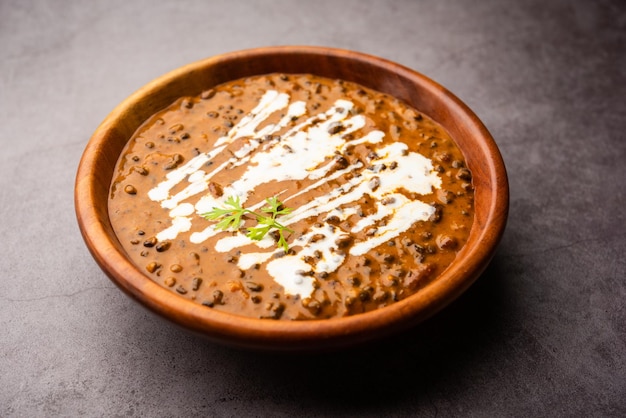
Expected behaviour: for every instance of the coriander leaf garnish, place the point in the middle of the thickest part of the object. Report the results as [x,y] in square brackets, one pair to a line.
[275,207]
[231,218]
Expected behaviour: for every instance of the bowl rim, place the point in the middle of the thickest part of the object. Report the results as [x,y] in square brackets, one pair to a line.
[289,335]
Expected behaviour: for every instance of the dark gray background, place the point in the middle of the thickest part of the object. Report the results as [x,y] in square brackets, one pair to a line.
[543,331]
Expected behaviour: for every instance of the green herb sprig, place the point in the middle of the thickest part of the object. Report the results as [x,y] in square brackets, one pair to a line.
[231,217]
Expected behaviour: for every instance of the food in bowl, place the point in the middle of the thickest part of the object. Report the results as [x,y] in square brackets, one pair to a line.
[291,197]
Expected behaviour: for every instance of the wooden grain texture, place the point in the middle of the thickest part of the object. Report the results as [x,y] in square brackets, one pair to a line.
[489,178]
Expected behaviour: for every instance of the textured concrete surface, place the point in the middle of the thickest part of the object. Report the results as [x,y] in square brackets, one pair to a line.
[542,333]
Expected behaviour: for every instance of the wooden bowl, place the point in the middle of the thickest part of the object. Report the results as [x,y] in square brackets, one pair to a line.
[483,158]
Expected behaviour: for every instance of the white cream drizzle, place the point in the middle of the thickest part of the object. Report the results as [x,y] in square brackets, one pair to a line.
[302,152]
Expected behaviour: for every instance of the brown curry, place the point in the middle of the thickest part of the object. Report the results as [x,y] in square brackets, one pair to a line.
[375,198]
